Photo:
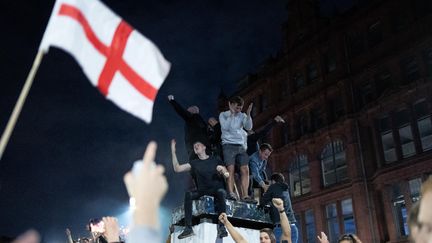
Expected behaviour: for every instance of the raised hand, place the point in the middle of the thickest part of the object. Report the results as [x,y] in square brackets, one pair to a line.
[112,229]
[278,203]
[323,238]
[148,186]
[279,119]
[249,109]
[223,218]
[170,97]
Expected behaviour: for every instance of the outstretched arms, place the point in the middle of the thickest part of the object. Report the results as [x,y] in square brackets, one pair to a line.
[178,167]
[236,236]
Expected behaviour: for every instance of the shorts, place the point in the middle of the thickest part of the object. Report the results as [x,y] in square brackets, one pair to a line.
[235,154]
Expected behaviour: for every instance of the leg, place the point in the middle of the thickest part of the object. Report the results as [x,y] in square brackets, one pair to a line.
[244,172]
[189,196]
[230,186]
[220,204]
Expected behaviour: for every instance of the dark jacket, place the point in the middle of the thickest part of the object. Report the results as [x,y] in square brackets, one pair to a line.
[195,127]
[252,140]
[278,190]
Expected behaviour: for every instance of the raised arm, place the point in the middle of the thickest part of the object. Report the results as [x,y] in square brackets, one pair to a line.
[285,225]
[178,167]
[236,236]
[179,109]
[247,122]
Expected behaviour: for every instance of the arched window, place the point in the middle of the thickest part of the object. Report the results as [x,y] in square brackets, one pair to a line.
[333,163]
[299,176]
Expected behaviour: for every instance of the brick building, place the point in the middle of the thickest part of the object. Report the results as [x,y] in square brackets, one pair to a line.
[355,88]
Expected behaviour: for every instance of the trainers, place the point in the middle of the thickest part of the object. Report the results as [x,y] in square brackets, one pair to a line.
[249,200]
[186,233]
[221,232]
[231,196]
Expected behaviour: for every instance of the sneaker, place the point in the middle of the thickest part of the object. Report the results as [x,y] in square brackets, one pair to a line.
[187,232]
[231,196]
[249,200]
[221,232]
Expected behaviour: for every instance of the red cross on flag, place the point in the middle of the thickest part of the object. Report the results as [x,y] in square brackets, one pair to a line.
[125,66]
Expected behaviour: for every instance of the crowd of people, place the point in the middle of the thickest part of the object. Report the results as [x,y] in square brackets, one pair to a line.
[216,151]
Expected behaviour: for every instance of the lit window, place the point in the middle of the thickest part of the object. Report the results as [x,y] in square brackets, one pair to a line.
[348,216]
[387,139]
[310,226]
[332,222]
[402,120]
[399,210]
[299,176]
[415,186]
[333,163]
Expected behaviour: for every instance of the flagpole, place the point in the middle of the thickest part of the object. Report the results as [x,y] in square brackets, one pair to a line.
[18,106]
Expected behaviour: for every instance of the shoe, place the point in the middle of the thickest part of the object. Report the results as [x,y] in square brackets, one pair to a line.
[249,200]
[221,232]
[231,196]
[187,232]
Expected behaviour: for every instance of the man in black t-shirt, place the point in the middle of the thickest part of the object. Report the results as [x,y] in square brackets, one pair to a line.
[209,172]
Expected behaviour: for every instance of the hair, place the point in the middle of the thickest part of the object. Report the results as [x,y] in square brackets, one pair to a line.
[237,100]
[265,146]
[278,177]
[426,186]
[270,234]
[349,237]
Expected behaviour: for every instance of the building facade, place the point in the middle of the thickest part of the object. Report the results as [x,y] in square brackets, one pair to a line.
[355,89]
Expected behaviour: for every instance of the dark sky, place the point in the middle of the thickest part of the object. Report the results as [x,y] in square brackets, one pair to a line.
[67,155]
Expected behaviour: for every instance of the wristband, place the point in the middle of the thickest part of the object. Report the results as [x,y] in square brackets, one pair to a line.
[282,211]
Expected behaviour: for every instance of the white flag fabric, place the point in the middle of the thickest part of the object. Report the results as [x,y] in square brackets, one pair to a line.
[125,66]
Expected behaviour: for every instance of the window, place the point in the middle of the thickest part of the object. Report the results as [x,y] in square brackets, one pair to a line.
[312,72]
[427,58]
[399,210]
[299,81]
[329,58]
[340,211]
[348,216]
[402,120]
[299,176]
[332,222]
[424,124]
[410,69]
[310,226]
[333,163]
[414,186]
[387,140]
[374,34]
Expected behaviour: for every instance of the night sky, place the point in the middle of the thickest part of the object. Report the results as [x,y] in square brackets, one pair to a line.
[67,155]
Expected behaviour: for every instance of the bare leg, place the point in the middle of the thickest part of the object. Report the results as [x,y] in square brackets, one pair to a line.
[244,171]
[230,178]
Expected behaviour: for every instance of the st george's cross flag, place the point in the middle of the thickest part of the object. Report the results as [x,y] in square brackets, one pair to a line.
[126,67]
